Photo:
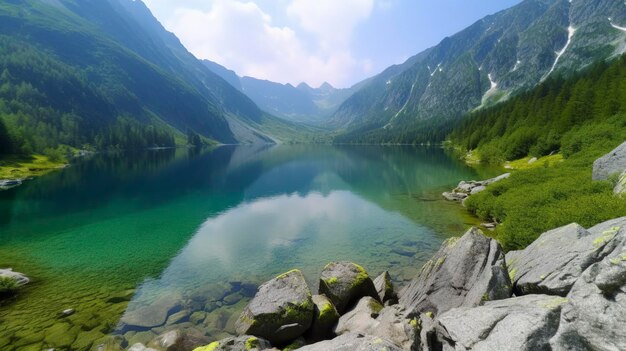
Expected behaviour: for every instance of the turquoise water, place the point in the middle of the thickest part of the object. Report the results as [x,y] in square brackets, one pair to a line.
[141,243]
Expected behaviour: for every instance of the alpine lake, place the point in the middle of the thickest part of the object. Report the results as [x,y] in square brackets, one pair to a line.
[136,244]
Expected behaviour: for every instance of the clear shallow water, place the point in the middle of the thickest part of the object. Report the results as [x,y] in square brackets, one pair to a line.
[178,239]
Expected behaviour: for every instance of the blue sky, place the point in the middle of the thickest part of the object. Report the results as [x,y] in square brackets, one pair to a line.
[338,41]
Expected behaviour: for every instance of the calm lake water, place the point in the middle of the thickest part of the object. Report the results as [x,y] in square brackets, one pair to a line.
[141,243]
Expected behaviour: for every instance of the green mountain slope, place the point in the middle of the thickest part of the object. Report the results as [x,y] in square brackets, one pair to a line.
[106,73]
[495,58]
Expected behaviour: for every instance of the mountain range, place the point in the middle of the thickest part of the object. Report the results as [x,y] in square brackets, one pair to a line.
[491,60]
[301,103]
[106,73]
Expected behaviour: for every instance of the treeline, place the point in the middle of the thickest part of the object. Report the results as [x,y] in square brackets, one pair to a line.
[431,131]
[550,117]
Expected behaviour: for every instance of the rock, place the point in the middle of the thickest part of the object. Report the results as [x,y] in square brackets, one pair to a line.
[108,343]
[478,189]
[620,187]
[68,312]
[532,160]
[60,335]
[496,179]
[281,311]
[20,278]
[612,163]
[345,283]
[594,318]
[466,271]
[123,296]
[197,317]
[571,250]
[452,196]
[9,183]
[324,319]
[295,345]
[353,342]
[177,340]
[385,289]
[370,318]
[140,347]
[361,319]
[523,323]
[151,316]
[241,343]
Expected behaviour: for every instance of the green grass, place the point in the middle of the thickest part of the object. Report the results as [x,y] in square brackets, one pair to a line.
[551,193]
[20,167]
[541,162]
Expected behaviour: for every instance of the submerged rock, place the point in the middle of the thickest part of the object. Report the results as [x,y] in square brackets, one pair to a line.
[19,278]
[384,287]
[281,311]
[466,271]
[522,324]
[612,163]
[571,249]
[140,347]
[240,343]
[324,319]
[353,342]
[345,283]
[595,315]
[178,340]
[151,316]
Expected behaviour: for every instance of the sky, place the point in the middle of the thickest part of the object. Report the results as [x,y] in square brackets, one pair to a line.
[315,41]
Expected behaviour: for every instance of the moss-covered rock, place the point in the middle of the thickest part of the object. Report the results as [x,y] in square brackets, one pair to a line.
[345,283]
[384,287]
[281,311]
[241,343]
[325,318]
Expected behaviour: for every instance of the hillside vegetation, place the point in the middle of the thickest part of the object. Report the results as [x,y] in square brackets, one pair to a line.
[582,118]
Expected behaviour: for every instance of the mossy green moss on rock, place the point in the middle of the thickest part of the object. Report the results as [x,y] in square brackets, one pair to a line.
[325,318]
[344,283]
[281,311]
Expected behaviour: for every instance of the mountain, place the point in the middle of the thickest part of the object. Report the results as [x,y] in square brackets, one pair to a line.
[490,61]
[302,104]
[107,74]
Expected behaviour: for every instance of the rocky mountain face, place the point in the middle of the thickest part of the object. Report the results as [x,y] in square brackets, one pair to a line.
[500,55]
[302,104]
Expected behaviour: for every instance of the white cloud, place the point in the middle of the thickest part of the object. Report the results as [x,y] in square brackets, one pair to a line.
[241,36]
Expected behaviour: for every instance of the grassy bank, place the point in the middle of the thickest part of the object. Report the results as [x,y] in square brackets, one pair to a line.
[21,167]
[551,192]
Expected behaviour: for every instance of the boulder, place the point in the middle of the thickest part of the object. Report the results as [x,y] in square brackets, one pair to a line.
[281,311]
[151,316]
[361,319]
[385,289]
[353,342]
[522,324]
[612,163]
[452,196]
[240,343]
[571,250]
[370,318]
[177,340]
[595,316]
[466,271]
[324,319]
[19,278]
[478,189]
[345,283]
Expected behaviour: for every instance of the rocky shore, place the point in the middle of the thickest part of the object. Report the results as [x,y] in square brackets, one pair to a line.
[467,188]
[566,291]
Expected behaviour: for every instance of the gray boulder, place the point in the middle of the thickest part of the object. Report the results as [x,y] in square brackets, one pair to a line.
[324,319]
[20,278]
[345,283]
[522,324]
[353,342]
[152,315]
[595,316]
[466,271]
[370,318]
[453,196]
[177,340]
[281,311]
[361,319]
[240,343]
[612,163]
[571,249]
[384,287]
